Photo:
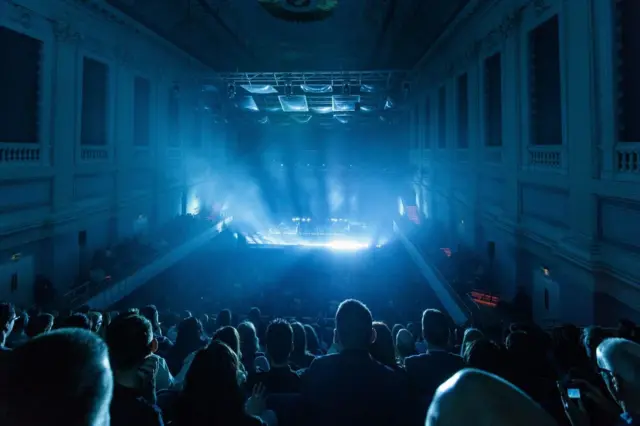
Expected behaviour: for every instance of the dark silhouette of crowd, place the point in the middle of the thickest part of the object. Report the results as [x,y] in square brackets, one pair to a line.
[91,368]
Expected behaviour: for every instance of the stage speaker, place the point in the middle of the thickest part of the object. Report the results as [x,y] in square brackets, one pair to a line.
[491,250]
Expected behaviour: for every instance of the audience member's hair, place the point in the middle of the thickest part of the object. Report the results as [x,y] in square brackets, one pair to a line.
[95,320]
[279,341]
[229,336]
[313,342]
[382,349]
[130,339]
[354,325]
[40,324]
[483,354]
[211,392]
[591,339]
[299,338]
[405,345]
[150,312]
[204,319]
[248,338]
[77,320]
[470,336]
[473,397]
[394,331]
[435,328]
[415,331]
[255,316]
[189,330]
[58,378]
[224,318]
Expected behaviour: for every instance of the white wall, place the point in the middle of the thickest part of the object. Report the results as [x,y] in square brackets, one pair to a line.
[579,212]
[68,187]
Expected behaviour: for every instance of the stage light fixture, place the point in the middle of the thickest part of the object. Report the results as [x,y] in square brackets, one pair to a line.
[231,90]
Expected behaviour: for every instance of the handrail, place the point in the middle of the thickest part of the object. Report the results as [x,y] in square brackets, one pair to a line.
[88,289]
[441,277]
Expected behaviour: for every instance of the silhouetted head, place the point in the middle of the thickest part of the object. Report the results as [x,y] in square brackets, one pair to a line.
[279,342]
[248,338]
[130,340]
[474,397]
[382,349]
[77,320]
[40,324]
[313,342]
[229,336]
[354,326]
[436,328]
[619,363]
[299,338]
[58,378]
[224,318]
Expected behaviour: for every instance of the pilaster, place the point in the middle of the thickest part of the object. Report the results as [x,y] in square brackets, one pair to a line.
[64,128]
[577,47]
[512,86]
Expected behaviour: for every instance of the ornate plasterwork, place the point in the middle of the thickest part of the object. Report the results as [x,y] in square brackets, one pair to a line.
[64,32]
[509,25]
[540,6]
[21,16]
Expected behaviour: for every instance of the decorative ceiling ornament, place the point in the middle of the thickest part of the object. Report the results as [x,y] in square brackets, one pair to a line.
[299,10]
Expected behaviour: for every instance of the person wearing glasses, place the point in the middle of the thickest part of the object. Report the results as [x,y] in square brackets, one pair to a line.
[619,366]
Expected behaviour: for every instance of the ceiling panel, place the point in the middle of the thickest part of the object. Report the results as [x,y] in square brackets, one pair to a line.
[242,36]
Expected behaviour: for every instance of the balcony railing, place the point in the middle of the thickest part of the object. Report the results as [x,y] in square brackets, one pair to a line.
[546,157]
[20,154]
[94,153]
[102,294]
[627,158]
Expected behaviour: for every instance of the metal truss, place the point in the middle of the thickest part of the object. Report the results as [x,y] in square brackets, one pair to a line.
[275,79]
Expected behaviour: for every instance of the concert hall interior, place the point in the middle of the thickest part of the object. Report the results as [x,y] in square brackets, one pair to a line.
[477,157]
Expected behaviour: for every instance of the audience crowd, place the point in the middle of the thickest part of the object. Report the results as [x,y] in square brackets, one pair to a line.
[93,368]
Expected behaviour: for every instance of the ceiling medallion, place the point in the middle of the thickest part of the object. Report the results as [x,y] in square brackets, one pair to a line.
[299,10]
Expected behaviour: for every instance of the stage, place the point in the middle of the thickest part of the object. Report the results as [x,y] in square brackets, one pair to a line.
[334,234]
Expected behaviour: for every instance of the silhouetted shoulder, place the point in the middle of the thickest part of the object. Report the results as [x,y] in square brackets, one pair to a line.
[324,360]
